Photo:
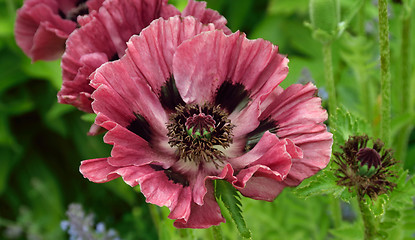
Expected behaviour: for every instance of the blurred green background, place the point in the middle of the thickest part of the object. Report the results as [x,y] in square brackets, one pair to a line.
[42,142]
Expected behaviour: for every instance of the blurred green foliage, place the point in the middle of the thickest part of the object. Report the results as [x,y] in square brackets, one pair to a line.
[42,142]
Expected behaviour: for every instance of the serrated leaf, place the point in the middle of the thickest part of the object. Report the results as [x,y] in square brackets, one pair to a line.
[348,232]
[323,183]
[232,201]
[378,207]
[347,124]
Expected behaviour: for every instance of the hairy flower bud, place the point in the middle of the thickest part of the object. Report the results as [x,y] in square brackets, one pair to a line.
[325,17]
[365,168]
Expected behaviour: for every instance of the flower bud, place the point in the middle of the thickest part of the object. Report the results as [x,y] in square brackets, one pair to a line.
[325,17]
[364,168]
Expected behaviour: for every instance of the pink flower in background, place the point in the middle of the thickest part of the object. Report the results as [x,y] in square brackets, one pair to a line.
[42,26]
[103,38]
[188,104]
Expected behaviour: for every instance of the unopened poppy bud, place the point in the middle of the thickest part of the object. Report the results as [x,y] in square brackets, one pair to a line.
[325,17]
[368,169]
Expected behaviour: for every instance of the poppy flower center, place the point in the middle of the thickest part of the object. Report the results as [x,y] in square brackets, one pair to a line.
[200,133]
[200,125]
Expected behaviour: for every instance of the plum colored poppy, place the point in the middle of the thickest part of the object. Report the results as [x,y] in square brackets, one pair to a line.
[186,106]
[103,38]
[42,26]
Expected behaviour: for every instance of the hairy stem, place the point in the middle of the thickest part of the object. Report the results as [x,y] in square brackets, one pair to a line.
[406,94]
[384,72]
[368,219]
[328,72]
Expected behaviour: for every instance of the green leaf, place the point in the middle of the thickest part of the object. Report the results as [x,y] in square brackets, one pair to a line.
[323,183]
[89,117]
[348,232]
[378,207]
[232,201]
[347,124]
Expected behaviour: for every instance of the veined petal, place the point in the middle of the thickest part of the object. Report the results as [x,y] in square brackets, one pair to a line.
[40,31]
[105,32]
[265,166]
[98,170]
[211,58]
[203,216]
[205,15]
[152,51]
[123,96]
[299,117]
[131,150]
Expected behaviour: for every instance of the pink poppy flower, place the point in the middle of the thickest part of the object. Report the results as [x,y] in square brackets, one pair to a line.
[103,38]
[182,110]
[42,26]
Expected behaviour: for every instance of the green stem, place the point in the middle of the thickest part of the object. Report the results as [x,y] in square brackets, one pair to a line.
[368,219]
[328,72]
[405,65]
[406,94]
[365,95]
[384,72]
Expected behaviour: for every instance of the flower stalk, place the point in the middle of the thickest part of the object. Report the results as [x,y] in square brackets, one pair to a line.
[384,72]
[328,72]
[406,93]
[368,219]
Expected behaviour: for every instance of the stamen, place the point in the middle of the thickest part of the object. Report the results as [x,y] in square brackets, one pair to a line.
[198,132]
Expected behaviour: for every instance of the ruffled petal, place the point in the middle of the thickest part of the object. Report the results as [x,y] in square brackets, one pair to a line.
[152,52]
[198,182]
[267,144]
[299,117]
[73,92]
[159,190]
[262,187]
[104,33]
[40,32]
[98,170]
[203,216]
[131,150]
[121,95]
[246,120]
[268,163]
[211,58]
[205,15]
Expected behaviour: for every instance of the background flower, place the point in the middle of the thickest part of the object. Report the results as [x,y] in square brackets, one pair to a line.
[42,26]
[103,38]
